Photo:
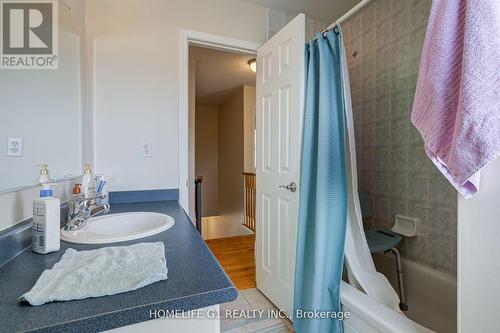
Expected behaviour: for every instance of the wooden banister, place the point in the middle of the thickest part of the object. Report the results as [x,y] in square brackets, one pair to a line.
[250,198]
[197,202]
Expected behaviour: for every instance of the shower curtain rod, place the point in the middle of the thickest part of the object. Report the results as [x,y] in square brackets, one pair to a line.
[344,17]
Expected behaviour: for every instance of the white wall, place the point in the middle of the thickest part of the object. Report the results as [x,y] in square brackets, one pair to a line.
[249,128]
[230,157]
[135,73]
[44,108]
[478,250]
[207,158]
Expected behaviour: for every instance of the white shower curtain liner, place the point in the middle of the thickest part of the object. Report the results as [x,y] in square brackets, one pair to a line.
[360,267]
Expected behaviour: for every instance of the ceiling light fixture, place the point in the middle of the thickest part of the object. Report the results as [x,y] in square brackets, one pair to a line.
[252,63]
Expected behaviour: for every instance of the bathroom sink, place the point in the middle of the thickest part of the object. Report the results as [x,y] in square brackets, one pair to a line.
[118,228]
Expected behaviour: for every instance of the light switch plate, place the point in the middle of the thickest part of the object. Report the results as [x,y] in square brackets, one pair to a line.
[14,147]
[147,150]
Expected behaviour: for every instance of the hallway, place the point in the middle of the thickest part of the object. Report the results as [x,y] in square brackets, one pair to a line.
[236,256]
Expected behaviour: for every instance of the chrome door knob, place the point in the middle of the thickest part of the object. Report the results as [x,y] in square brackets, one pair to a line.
[290,187]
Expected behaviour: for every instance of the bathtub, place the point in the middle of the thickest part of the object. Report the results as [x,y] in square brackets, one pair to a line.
[369,316]
[431,295]
[431,298]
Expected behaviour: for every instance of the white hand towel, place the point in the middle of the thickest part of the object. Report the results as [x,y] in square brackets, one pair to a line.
[101,272]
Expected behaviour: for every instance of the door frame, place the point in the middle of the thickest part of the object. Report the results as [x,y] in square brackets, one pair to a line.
[187,38]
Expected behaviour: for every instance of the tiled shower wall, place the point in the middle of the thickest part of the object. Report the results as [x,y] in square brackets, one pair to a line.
[277,19]
[384,43]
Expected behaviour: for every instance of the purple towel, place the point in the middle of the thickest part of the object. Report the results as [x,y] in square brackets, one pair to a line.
[457,101]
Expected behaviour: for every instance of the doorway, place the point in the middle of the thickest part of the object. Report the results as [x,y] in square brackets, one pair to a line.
[186,110]
[222,98]
[278,115]
[224,155]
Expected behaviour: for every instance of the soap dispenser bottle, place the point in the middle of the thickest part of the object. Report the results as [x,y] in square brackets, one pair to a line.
[44,177]
[46,222]
[71,202]
[88,182]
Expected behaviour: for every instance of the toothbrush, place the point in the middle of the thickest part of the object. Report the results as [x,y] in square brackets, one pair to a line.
[101,185]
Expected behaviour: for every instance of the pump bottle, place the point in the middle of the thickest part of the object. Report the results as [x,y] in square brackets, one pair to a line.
[46,235]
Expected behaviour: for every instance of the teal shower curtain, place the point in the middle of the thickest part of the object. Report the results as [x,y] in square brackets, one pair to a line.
[323,191]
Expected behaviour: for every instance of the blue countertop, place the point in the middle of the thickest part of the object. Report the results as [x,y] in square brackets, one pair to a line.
[195,280]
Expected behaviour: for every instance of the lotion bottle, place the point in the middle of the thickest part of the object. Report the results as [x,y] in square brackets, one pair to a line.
[88,182]
[46,235]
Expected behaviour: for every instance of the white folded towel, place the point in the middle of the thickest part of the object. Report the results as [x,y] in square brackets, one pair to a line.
[101,272]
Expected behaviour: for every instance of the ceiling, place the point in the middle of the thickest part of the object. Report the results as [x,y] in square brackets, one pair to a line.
[219,74]
[326,11]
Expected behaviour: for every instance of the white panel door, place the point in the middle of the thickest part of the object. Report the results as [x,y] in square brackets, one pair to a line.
[280,80]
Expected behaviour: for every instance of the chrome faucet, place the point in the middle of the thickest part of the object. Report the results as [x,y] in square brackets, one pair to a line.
[82,208]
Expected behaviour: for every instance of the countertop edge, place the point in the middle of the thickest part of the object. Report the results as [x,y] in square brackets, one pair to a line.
[142,313]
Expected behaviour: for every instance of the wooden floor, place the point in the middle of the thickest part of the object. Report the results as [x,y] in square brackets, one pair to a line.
[236,256]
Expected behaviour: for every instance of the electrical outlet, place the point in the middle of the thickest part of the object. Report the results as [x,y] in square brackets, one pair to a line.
[147,150]
[14,147]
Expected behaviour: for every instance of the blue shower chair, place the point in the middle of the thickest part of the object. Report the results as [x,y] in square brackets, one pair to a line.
[383,241]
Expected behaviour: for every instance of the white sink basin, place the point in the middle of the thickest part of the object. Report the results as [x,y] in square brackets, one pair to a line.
[118,228]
